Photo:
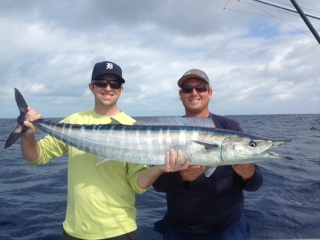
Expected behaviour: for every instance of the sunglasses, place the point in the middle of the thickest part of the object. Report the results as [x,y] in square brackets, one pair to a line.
[104,83]
[199,88]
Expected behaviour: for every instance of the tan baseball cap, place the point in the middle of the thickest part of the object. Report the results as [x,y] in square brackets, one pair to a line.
[193,73]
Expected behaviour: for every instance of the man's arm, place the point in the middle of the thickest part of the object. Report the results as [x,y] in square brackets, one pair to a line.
[173,164]
[245,171]
[250,173]
[255,182]
[29,147]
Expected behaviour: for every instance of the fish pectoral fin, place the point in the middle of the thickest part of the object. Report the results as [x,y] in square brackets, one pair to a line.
[208,146]
[209,171]
[102,160]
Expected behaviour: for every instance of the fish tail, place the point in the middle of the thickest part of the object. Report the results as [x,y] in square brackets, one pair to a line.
[20,128]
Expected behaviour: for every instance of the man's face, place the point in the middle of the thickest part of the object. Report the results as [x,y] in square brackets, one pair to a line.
[195,103]
[106,96]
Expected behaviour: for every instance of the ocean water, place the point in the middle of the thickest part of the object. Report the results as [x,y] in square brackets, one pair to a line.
[287,206]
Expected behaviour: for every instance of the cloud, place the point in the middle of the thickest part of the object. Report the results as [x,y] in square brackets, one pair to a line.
[260,60]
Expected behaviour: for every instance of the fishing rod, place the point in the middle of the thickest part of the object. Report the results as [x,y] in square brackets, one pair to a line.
[302,14]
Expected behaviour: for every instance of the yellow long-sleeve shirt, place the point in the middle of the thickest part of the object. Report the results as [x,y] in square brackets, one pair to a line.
[101,199]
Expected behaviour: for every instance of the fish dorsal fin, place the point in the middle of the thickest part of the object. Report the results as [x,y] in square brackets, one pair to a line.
[207,146]
[114,121]
[175,121]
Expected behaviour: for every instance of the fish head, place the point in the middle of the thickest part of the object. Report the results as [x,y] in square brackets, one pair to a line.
[243,148]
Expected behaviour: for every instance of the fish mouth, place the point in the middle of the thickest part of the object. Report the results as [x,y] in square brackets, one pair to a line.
[276,155]
[275,144]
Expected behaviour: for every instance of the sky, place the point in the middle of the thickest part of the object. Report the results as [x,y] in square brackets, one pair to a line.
[259,59]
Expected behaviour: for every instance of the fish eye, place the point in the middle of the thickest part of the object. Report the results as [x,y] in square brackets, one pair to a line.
[253,144]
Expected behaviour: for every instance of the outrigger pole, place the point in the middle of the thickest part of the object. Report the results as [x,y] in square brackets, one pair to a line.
[302,14]
[306,20]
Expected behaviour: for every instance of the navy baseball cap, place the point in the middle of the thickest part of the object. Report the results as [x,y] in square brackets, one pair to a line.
[107,67]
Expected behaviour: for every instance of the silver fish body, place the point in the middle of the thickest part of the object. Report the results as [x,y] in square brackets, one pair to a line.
[145,144]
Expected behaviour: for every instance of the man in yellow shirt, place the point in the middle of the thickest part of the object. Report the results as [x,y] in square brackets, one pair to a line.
[101,199]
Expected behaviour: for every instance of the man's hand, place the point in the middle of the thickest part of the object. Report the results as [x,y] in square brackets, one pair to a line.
[31,115]
[245,171]
[192,173]
[174,162]
[30,148]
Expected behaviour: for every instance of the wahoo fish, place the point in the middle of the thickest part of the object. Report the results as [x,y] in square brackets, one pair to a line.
[145,143]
